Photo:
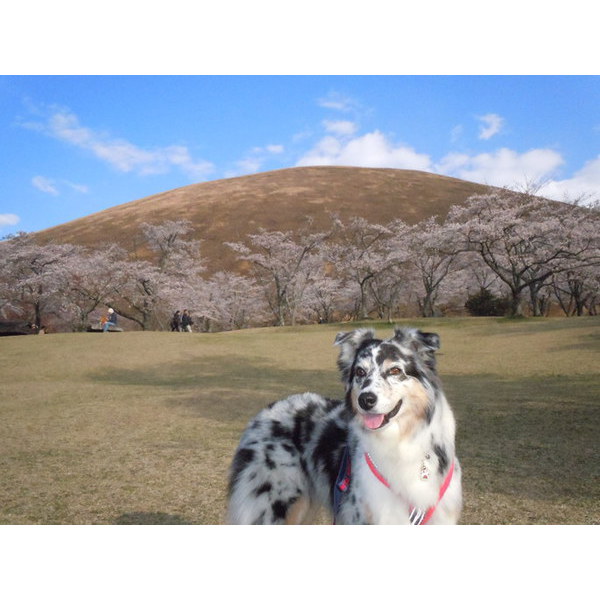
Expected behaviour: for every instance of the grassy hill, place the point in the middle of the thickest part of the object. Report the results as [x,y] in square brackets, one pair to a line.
[141,427]
[229,209]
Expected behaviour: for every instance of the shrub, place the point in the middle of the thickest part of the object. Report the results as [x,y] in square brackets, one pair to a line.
[485,304]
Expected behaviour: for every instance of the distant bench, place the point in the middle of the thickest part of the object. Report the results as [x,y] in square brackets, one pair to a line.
[98,327]
[17,328]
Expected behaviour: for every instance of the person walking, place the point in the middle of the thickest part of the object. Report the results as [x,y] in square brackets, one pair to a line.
[176,321]
[186,322]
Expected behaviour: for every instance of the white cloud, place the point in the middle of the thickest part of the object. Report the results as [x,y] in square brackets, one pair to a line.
[82,189]
[121,154]
[506,167]
[301,136]
[274,149]
[53,187]
[492,124]
[452,163]
[254,161]
[178,156]
[456,133]
[8,219]
[45,185]
[370,150]
[341,128]
[584,183]
[247,166]
[337,101]
[503,167]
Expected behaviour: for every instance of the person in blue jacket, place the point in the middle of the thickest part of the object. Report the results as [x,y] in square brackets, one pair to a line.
[111,321]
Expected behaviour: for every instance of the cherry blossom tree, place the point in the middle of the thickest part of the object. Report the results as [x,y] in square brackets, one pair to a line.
[525,239]
[234,301]
[7,302]
[390,288]
[137,291]
[577,291]
[319,292]
[502,242]
[432,254]
[359,253]
[474,275]
[281,266]
[31,274]
[89,280]
[172,252]
[147,290]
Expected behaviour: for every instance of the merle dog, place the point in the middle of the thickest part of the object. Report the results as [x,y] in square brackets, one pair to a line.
[384,455]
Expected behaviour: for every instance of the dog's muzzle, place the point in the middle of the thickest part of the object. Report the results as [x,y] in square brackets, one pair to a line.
[367,401]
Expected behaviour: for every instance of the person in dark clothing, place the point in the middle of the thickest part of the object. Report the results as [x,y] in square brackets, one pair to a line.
[176,321]
[111,320]
[186,322]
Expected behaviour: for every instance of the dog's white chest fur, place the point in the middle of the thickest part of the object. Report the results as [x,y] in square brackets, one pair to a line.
[387,488]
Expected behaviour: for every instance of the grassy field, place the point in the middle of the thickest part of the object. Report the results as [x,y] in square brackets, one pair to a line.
[140,428]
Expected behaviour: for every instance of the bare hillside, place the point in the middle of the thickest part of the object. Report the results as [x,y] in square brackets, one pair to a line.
[229,209]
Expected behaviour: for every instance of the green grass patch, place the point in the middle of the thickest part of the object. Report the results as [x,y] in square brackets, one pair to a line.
[141,427]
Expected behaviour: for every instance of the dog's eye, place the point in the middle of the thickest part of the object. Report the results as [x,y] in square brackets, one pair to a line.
[360,372]
[395,371]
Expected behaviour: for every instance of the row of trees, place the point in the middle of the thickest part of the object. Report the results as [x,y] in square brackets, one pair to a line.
[517,246]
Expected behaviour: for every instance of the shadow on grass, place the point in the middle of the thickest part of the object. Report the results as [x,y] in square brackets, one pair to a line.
[535,438]
[529,325]
[590,342]
[225,388]
[153,518]
[234,371]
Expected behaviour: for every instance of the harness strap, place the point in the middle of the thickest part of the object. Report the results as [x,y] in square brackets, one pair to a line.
[342,482]
[375,471]
[443,489]
[416,515]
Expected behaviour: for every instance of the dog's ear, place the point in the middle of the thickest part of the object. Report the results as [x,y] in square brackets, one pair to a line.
[350,342]
[423,343]
[430,341]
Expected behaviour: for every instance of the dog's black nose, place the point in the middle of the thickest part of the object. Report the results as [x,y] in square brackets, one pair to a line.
[367,400]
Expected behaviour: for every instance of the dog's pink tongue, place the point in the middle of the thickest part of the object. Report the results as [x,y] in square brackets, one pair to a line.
[373,421]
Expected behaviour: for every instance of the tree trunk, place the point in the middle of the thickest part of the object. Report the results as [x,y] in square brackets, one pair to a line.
[516,305]
[38,315]
[427,309]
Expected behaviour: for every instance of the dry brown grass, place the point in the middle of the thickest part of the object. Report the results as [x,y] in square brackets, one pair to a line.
[229,209]
[141,427]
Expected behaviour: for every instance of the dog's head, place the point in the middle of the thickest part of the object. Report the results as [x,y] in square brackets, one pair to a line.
[391,380]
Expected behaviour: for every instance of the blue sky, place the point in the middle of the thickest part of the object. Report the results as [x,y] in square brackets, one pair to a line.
[73,145]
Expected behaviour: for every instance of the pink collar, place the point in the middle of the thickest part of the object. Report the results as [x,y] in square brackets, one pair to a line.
[417,516]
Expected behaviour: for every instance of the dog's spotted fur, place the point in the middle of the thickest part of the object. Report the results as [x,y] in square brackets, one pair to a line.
[288,459]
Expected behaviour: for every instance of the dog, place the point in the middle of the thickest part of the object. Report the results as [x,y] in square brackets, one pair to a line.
[384,455]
